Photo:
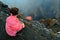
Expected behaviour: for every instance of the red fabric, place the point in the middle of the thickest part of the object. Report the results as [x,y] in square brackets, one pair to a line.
[13,25]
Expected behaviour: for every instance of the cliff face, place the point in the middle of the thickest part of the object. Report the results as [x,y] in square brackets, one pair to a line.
[40,31]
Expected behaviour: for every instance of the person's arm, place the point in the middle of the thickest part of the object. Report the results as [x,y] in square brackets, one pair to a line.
[17,25]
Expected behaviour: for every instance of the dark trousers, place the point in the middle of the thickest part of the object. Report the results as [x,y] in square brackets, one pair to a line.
[5,36]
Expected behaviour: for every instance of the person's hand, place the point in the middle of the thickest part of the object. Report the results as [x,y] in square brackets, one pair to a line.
[23,25]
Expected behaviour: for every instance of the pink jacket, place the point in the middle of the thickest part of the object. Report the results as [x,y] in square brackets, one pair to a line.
[13,25]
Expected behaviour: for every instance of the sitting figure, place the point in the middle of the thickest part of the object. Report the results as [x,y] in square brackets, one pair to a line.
[13,25]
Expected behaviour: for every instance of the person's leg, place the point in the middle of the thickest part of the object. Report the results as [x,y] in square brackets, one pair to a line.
[17,37]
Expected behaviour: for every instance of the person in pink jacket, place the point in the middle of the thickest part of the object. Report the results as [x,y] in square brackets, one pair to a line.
[13,25]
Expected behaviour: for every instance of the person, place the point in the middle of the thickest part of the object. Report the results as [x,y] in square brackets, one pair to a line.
[13,25]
